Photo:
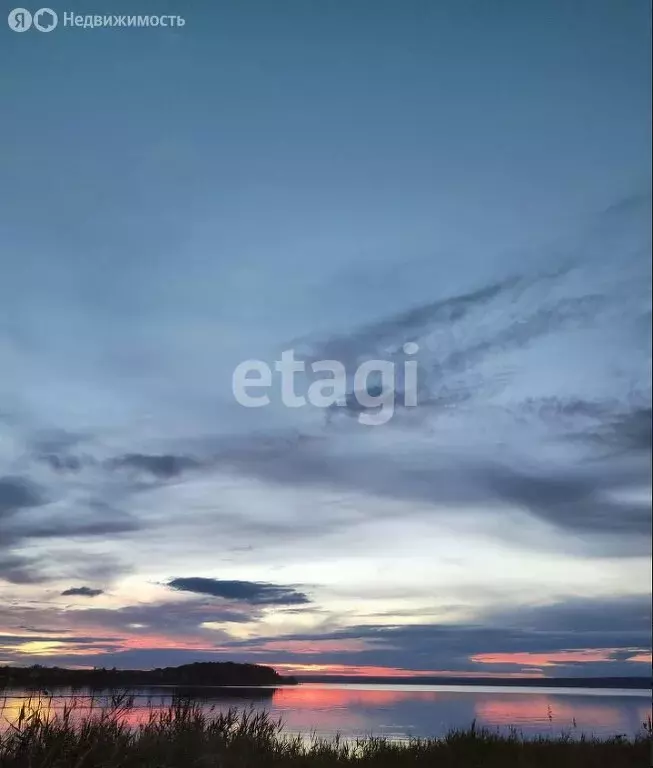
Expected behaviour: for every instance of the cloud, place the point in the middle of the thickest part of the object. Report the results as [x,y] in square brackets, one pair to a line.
[194,625]
[252,592]
[573,501]
[21,559]
[459,335]
[625,432]
[94,518]
[55,440]
[19,493]
[17,569]
[82,592]
[580,495]
[164,466]
[16,493]
[120,523]
[61,563]
[60,462]
[50,637]
[578,637]
[591,637]
[404,326]
[617,621]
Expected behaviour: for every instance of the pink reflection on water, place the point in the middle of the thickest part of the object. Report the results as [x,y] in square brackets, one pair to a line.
[539,710]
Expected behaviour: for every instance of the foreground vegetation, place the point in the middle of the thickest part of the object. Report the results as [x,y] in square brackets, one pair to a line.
[186,737]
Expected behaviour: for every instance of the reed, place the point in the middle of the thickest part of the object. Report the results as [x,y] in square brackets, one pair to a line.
[187,736]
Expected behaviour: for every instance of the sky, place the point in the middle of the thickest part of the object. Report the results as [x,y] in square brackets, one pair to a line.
[338,179]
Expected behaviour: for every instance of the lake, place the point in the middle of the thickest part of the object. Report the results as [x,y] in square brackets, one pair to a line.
[394,711]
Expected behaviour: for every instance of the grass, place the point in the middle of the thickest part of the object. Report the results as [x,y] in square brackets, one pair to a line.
[185,736]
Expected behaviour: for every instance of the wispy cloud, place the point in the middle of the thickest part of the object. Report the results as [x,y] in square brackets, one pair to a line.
[82,592]
[254,593]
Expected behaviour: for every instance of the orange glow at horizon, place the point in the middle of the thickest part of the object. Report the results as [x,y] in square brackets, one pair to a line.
[526,664]
[372,671]
[553,659]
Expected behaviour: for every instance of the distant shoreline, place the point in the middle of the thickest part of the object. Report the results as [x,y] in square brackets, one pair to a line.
[639,683]
[199,674]
[231,674]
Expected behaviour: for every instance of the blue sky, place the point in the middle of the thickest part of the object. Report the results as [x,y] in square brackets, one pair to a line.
[339,179]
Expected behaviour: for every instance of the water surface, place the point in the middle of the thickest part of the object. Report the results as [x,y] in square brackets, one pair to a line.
[393,711]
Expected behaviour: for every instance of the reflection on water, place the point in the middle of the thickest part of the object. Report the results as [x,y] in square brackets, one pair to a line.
[394,711]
